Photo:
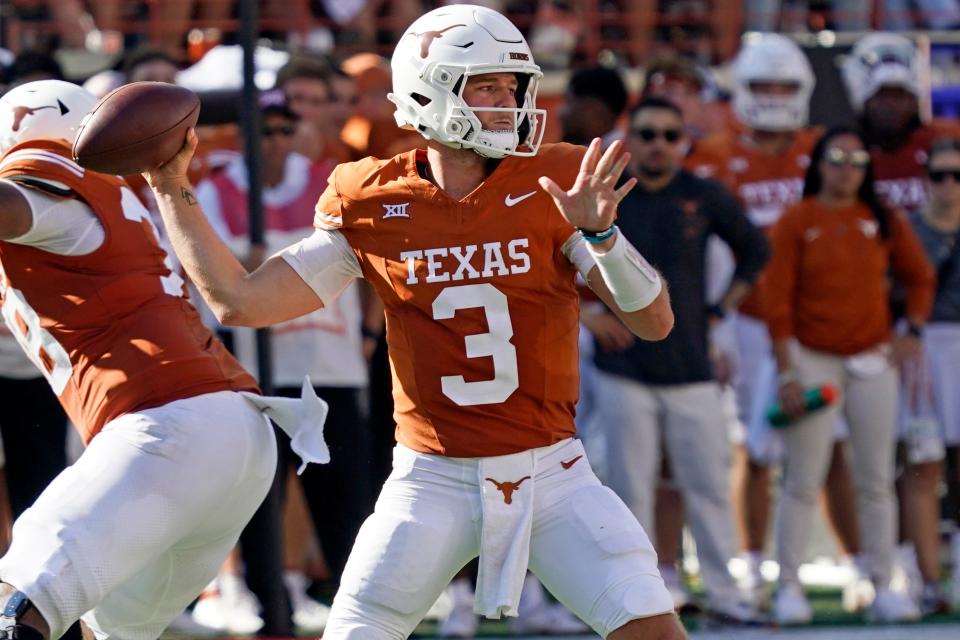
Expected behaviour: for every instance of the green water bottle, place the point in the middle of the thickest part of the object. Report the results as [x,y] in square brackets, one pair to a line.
[813,398]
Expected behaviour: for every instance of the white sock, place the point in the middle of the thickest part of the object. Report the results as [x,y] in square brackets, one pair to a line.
[955,549]
[669,574]
[861,564]
[461,591]
[532,595]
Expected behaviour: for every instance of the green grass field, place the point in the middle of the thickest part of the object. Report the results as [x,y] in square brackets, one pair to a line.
[830,622]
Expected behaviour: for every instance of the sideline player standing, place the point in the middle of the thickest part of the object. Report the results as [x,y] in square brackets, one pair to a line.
[177,460]
[474,251]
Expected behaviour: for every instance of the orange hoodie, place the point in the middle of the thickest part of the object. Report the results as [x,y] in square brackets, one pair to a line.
[827,282]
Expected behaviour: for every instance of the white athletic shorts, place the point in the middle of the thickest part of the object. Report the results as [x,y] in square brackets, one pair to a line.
[942,341]
[132,532]
[586,546]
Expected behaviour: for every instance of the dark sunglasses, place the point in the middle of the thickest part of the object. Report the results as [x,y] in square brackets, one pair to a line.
[838,157]
[285,129]
[939,175]
[649,135]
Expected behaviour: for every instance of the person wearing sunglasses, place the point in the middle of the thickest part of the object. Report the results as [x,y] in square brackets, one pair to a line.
[930,422]
[763,161]
[883,76]
[830,323]
[654,397]
[327,344]
[323,97]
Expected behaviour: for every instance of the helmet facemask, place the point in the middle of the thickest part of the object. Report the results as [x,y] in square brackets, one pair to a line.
[464,127]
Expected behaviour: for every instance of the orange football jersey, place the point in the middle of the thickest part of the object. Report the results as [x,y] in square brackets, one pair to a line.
[765,184]
[481,302]
[899,174]
[111,330]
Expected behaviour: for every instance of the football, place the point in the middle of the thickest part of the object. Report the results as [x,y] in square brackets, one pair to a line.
[135,127]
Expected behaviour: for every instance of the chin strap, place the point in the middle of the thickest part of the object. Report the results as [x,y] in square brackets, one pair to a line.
[10,626]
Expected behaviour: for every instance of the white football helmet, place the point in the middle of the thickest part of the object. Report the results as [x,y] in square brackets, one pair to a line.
[50,109]
[431,64]
[772,58]
[880,60]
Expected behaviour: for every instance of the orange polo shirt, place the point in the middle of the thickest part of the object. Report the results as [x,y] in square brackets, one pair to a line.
[827,281]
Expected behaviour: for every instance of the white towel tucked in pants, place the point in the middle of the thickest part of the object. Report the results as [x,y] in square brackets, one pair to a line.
[507,486]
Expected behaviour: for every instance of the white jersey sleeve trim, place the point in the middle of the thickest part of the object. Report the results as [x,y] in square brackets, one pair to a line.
[575,248]
[328,221]
[64,226]
[326,263]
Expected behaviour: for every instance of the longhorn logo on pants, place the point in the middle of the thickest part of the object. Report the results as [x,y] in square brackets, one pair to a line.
[507,488]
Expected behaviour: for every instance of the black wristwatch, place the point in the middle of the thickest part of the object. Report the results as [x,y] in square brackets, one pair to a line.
[915,331]
[716,311]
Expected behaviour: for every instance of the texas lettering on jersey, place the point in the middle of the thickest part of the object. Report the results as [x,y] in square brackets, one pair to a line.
[765,184]
[481,304]
[899,174]
[452,264]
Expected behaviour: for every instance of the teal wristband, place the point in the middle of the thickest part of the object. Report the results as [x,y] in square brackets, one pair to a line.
[596,237]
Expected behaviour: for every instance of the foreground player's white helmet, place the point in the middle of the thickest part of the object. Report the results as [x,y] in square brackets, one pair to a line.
[431,64]
[880,60]
[772,58]
[42,109]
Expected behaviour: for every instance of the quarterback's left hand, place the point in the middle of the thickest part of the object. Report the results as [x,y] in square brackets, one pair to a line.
[591,203]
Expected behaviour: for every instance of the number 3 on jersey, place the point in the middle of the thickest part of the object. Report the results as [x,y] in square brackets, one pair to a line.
[38,343]
[495,343]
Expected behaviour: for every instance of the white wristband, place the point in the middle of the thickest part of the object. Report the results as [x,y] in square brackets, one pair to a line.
[632,281]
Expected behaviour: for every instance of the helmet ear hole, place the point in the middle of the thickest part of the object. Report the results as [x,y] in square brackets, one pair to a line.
[421,99]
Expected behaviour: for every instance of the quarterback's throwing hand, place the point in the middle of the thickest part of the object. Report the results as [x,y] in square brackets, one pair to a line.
[174,169]
[591,203]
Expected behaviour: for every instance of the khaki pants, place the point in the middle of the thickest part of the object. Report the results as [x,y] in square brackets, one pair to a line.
[868,399]
[690,419]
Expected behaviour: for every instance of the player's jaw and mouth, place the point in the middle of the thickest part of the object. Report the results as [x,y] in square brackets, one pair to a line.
[496,121]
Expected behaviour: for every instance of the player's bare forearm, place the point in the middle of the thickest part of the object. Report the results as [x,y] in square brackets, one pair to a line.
[15,216]
[653,322]
[271,294]
[215,271]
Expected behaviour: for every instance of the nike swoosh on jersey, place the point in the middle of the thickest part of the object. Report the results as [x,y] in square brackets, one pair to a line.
[566,464]
[509,201]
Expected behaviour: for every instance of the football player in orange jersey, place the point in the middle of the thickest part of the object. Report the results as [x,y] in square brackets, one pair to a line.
[883,76]
[473,245]
[178,455]
[763,162]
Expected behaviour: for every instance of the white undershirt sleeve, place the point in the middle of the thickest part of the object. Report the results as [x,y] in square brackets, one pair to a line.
[64,226]
[326,263]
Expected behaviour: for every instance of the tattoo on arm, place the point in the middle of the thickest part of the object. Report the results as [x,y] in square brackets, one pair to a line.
[186,195]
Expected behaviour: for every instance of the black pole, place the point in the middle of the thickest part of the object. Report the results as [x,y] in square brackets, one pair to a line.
[262,540]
